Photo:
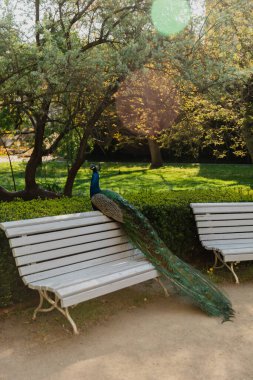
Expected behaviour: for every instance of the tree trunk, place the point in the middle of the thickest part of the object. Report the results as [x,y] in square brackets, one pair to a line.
[32,190]
[80,158]
[36,156]
[247,127]
[155,152]
[37,22]
[247,133]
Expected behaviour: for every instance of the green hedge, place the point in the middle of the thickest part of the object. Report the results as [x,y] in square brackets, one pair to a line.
[169,212]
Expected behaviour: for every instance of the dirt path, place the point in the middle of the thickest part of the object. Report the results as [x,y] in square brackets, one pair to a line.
[154,339]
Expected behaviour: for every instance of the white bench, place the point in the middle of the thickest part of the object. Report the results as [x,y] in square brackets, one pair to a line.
[76,257]
[227,229]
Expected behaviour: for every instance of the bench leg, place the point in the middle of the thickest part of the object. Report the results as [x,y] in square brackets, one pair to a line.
[233,272]
[217,257]
[54,305]
[40,309]
[230,267]
[163,286]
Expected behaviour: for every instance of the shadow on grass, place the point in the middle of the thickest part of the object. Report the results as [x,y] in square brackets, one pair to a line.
[234,174]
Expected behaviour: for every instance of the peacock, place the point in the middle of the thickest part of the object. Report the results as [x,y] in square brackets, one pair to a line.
[186,280]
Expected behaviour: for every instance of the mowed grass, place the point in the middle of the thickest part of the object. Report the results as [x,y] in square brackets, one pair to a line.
[124,177]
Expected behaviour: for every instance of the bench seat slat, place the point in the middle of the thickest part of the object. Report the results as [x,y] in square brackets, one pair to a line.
[238,257]
[52,264]
[86,274]
[132,253]
[236,251]
[55,226]
[109,288]
[104,280]
[56,235]
[68,242]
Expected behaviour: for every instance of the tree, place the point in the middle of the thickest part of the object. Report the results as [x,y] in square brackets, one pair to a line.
[64,61]
[148,105]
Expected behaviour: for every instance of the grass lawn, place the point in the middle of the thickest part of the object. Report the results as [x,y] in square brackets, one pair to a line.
[123,177]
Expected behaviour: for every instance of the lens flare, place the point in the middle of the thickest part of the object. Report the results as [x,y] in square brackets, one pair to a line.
[147,103]
[170,16]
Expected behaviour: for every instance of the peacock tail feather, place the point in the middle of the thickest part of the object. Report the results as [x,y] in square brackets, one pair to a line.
[187,280]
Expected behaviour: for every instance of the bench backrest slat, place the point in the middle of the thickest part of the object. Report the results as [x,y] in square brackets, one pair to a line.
[225,223]
[54,226]
[57,235]
[67,251]
[69,242]
[48,219]
[42,275]
[222,230]
[235,236]
[240,242]
[82,257]
[229,216]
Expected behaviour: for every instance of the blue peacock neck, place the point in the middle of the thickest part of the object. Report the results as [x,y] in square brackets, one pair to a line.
[94,185]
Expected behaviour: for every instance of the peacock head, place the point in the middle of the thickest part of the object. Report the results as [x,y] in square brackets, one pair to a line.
[94,168]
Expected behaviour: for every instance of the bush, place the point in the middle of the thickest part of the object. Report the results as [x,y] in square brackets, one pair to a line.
[169,213]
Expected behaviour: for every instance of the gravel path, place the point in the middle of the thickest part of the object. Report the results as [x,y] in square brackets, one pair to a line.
[164,339]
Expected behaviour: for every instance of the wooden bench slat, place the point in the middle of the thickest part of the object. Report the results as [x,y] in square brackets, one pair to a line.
[235,241]
[55,263]
[231,236]
[109,288]
[69,242]
[228,246]
[235,216]
[51,236]
[238,257]
[225,204]
[48,219]
[235,251]
[87,274]
[225,223]
[224,230]
[55,226]
[131,253]
[104,280]
[222,208]
[81,248]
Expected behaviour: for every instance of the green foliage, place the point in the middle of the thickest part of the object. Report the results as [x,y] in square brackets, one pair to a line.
[168,211]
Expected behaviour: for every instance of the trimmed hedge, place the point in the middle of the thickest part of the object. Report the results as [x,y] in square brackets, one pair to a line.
[169,212]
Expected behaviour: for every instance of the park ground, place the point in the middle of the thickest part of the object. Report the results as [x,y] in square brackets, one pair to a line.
[133,334]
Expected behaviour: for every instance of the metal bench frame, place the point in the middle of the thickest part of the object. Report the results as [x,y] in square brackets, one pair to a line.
[226,229]
[75,258]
